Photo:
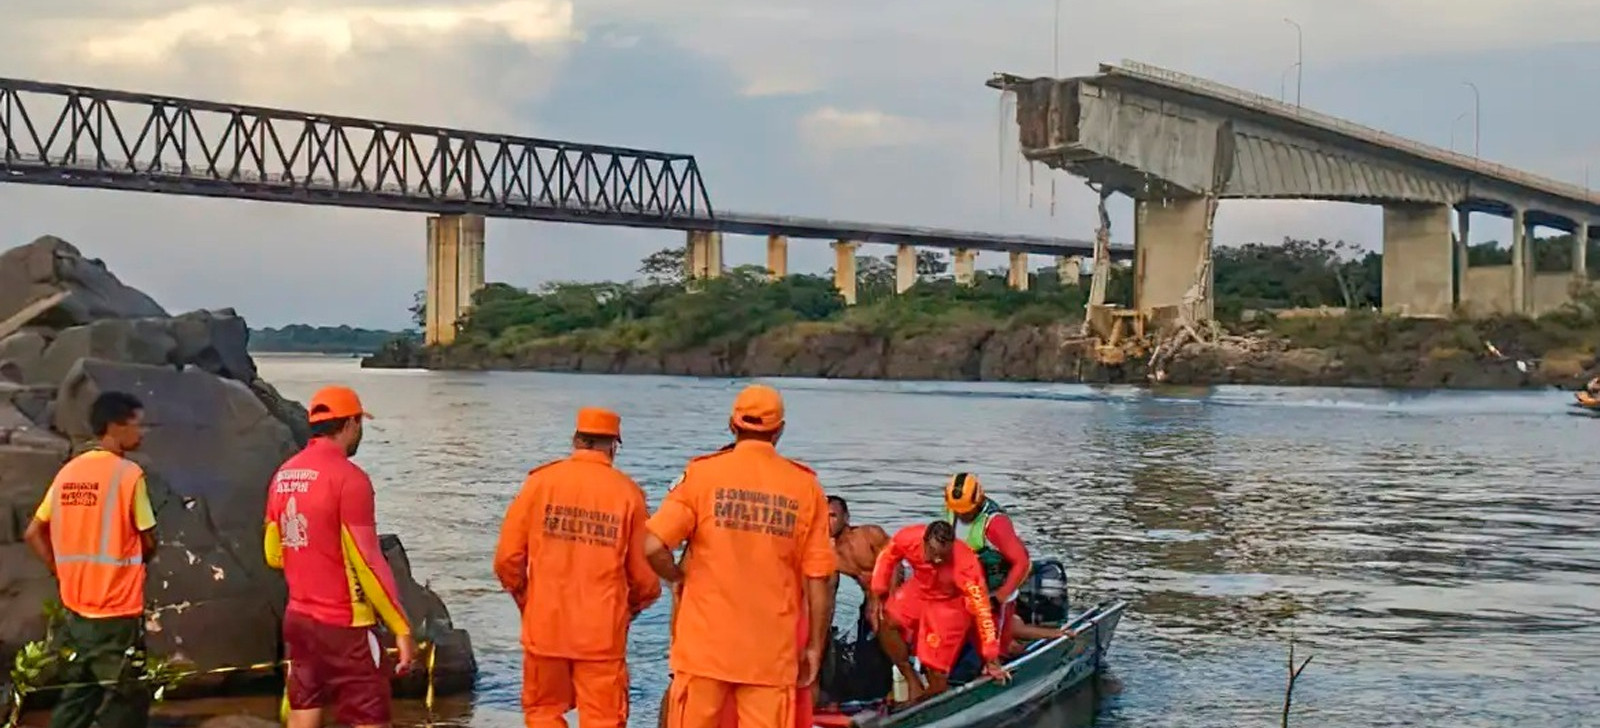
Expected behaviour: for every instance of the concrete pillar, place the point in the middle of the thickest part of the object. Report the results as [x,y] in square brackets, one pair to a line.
[705,254]
[777,256]
[1069,269]
[1580,251]
[1170,243]
[1017,273]
[1463,234]
[965,264]
[455,272]
[905,268]
[844,270]
[1417,267]
[1519,261]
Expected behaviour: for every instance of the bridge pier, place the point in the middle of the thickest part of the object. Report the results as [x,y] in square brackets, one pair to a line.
[1463,230]
[1170,247]
[704,254]
[1017,273]
[455,272]
[905,268]
[1069,269]
[965,264]
[844,270]
[1418,272]
[777,256]
[1580,252]
[1520,258]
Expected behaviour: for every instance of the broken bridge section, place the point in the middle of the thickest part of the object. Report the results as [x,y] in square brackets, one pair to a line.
[1168,140]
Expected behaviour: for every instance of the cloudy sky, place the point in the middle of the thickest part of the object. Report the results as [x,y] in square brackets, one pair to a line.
[840,108]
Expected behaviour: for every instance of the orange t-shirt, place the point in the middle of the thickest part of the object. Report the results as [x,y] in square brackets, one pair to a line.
[573,547]
[757,524]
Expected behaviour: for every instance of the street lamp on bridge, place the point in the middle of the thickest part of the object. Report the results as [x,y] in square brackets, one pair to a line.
[1477,118]
[1299,58]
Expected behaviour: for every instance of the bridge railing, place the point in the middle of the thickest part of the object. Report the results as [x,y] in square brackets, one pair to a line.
[1258,102]
[77,136]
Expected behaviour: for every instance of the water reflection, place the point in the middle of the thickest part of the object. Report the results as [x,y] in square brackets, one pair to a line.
[1437,553]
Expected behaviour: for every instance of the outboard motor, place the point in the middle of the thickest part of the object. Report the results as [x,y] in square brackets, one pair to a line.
[1043,596]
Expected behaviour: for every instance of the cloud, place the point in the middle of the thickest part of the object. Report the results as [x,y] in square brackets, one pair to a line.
[834,108]
[833,129]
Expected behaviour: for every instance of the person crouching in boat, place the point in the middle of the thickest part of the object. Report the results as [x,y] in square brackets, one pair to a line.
[1589,396]
[934,609]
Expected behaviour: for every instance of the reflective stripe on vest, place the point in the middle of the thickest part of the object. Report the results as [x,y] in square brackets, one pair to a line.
[111,503]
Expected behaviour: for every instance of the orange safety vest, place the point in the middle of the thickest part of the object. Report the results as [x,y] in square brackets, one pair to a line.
[99,557]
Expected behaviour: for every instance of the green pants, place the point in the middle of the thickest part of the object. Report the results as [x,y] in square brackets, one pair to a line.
[107,690]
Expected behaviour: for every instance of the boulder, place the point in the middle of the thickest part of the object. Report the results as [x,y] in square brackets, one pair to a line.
[50,265]
[217,432]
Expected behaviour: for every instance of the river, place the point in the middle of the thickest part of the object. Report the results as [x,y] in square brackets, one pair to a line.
[1436,553]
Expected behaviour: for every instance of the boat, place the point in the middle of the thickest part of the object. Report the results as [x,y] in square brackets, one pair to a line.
[1045,670]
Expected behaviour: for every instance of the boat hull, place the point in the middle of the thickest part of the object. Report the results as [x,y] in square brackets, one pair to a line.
[1038,676]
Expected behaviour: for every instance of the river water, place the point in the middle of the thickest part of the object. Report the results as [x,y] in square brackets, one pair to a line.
[1436,554]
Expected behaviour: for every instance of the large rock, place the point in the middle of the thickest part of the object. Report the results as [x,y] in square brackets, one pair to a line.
[217,431]
[50,265]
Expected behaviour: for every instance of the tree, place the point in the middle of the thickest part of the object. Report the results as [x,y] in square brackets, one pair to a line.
[665,266]
[931,264]
[419,309]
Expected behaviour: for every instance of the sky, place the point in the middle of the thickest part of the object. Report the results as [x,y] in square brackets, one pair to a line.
[870,111]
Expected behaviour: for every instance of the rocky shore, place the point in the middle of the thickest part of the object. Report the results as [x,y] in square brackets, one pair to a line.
[1419,354]
[69,330]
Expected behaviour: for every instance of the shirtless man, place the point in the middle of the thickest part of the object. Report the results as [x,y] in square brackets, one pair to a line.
[857,548]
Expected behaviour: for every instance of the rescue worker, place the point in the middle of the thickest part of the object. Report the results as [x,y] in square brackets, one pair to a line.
[94,530]
[983,526]
[571,554]
[322,532]
[756,525]
[943,600]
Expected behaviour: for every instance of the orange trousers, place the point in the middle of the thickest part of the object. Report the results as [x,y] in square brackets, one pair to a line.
[802,702]
[552,686]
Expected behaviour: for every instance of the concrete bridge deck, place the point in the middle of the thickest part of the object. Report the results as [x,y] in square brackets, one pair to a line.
[1169,139]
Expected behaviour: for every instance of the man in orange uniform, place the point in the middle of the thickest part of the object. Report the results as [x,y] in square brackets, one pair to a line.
[757,526]
[571,553]
[322,531]
[932,608]
[94,530]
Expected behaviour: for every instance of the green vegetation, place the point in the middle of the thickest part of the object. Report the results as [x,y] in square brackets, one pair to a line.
[663,313]
[299,338]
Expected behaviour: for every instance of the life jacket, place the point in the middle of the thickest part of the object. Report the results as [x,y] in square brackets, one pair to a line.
[976,536]
[98,553]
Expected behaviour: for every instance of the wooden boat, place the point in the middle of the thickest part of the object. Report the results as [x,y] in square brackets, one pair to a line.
[1048,668]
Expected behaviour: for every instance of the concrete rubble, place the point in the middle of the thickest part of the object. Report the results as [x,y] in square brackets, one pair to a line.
[70,329]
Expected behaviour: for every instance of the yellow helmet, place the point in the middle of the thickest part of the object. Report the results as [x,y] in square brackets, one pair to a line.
[963,494]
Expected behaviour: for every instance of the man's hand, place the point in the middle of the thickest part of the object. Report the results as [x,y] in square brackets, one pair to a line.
[997,672]
[520,596]
[408,654]
[1001,596]
[810,665]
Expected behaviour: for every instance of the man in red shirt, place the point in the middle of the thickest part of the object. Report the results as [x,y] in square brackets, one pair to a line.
[934,609]
[321,530]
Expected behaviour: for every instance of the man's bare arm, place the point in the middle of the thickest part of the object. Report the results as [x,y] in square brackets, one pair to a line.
[660,558]
[37,537]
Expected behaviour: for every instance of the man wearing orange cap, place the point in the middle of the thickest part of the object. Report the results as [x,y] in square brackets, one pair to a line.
[321,530]
[571,553]
[757,526]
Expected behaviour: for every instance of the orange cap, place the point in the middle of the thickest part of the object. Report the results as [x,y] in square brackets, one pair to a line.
[758,408]
[600,422]
[332,403]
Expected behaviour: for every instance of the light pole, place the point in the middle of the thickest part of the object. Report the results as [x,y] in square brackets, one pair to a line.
[1299,58]
[1477,117]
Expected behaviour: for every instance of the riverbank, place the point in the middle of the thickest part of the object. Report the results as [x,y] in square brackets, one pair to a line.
[1358,350]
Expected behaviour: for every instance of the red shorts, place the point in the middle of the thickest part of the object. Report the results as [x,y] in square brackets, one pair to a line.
[344,666]
[937,628]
